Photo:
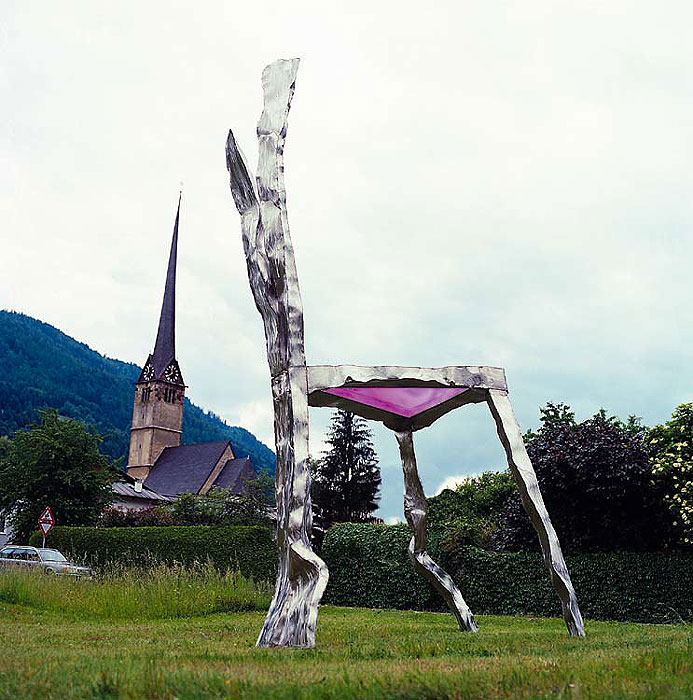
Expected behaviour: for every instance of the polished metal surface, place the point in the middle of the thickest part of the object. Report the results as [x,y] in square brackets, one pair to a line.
[302,575]
[526,479]
[415,513]
[474,378]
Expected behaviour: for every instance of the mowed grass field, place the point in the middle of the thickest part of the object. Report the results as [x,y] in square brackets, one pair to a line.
[49,651]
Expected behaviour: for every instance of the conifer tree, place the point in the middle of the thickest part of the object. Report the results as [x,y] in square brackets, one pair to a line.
[346,480]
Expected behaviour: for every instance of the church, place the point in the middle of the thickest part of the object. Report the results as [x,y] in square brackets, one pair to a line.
[159,468]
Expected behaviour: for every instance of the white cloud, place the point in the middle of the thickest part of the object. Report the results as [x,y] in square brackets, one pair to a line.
[475,189]
[452,482]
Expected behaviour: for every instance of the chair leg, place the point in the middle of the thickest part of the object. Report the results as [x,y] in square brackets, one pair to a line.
[415,513]
[526,479]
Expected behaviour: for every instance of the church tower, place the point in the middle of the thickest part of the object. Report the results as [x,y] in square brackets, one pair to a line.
[157,414]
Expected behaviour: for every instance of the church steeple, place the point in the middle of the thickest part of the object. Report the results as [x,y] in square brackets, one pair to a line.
[165,346]
[157,414]
[161,364]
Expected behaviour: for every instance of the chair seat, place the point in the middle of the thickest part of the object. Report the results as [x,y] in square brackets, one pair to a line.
[402,398]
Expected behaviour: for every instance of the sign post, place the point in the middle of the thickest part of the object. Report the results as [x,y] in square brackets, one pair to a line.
[46,522]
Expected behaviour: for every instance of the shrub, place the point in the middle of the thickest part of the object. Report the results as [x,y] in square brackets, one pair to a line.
[595,478]
[672,460]
[470,513]
[147,517]
[369,567]
[221,507]
[250,550]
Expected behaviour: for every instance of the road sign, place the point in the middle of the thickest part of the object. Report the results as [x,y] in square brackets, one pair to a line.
[46,522]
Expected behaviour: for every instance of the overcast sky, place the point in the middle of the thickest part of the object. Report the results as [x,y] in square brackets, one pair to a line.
[499,183]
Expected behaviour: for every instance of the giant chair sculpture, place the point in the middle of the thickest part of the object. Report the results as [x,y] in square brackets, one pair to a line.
[405,399]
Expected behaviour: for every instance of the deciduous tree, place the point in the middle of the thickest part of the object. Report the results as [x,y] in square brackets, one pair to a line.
[56,462]
[596,479]
[672,462]
[470,514]
[221,507]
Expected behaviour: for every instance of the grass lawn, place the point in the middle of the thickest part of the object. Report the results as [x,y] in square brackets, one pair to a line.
[360,654]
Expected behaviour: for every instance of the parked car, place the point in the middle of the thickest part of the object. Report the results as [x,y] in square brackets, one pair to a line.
[50,560]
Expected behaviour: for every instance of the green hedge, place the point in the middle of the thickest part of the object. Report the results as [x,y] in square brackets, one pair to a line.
[251,550]
[369,567]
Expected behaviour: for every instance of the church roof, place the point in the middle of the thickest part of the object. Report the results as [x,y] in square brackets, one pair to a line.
[233,474]
[184,469]
[165,346]
[126,489]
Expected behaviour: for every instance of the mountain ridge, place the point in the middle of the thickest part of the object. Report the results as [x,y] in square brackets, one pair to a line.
[40,366]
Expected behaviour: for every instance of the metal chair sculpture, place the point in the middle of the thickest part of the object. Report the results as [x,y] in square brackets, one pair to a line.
[405,399]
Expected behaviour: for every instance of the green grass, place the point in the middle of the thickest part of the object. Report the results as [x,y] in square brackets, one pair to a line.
[50,651]
[160,591]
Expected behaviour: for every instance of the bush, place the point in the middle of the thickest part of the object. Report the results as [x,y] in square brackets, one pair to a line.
[147,517]
[250,550]
[470,513]
[672,462]
[595,478]
[369,567]
[221,507]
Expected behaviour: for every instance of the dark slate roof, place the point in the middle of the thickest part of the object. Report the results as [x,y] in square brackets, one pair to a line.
[127,489]
[184,469]
[234,472]
[165,346]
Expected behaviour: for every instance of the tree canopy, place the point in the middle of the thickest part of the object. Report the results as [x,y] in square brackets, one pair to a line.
[220,507]
[470,513]
[596,480]
[56,462]
[346,480]
[671,445]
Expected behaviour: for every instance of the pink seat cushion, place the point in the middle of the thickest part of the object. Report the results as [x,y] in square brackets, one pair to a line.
[406,401]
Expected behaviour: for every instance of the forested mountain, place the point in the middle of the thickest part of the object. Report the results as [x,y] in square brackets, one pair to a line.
[40,366]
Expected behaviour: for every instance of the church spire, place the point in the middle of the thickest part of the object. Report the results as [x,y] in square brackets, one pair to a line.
[157,413]
[165,347]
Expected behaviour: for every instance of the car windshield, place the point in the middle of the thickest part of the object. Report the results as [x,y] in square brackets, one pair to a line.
[51,555]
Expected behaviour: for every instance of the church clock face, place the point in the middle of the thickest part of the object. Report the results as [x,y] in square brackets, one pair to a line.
[172,374]
[148,373]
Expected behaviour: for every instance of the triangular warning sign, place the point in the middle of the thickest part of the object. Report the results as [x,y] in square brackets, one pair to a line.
[46,516]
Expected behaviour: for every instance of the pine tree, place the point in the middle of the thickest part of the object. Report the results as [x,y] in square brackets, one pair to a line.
[346,480]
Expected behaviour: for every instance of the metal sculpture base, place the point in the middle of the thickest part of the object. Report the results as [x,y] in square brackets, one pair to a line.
[415,513]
